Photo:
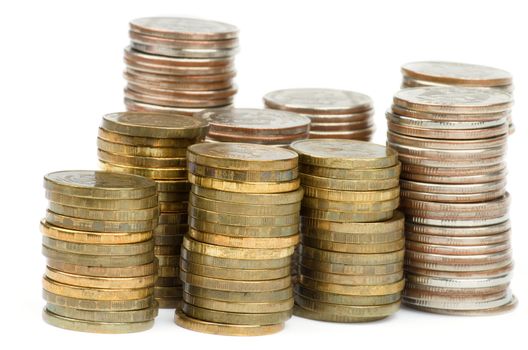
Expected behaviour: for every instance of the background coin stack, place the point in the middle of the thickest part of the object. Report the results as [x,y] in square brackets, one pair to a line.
[434,73]
[182,65]
[97,237]
[154,145]
[452,143]
[251,125]
[244,225]
[334,113]
[351,263]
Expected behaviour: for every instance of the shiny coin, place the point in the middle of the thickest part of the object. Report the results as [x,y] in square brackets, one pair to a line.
[245,187]
[353,248]
[348,185]
[96,294]
[110,272]
[140,161]
[447,134]
[243,176]
[249,198]
[154,173]
[335,173]
[244,242]
[351,259]
[202,259]
[103,204]
[352,196]
[170,101]
[110,215]
[117,138]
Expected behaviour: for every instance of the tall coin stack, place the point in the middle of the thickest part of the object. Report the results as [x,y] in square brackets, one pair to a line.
[154,145]
[451,142]
[251,125]
[438,73]
[244,225]
[97,238]
[336,114]
[351,263]
[181,65]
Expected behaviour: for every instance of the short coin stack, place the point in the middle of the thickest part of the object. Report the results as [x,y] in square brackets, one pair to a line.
[154,145]
[451,142]
[261,126]
[351,261]
[182,65]
[97,238]
[244,225]
[435,73]
[334,113]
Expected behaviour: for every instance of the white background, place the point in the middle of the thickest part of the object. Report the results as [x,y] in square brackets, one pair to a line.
[60,71]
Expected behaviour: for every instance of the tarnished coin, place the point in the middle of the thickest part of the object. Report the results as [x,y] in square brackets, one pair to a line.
[330,316]
[359,134]
[270,307]
[353,280]
[352,196]
[354,248]
[277,141]
[184,28]
[235,273]
[142,315]
[339,216]
[235,285]
[240,297]
[99,249]
[97,305]
[350,258]
[236,318]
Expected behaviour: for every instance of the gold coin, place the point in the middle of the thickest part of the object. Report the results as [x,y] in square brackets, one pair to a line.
[349,238]
[102,204]
[352,290]
[168,260]
[107,316]
[141,151]
[354,248]
[166,250]
[243,231]
[87,237]
[170,229]
[331,298]
[153,173]
[245,187]
[348,269]
[235,318]
[350,258]
[352,196]
[173,219]
[363,311]
[236,253]
[246,209]
[169,302]
[168,282]
[351,174]
[193,324]
[234,285]
[348,185]
[244,242]
[107,215]
[133,161]
[243,175]
[158,125]
[358,207]
[395,224]
[110,272]
[351,280]
[339,216]
[98,260]
[168,239]
[95,327]
[234,263]
[98,184]
[240,297]
[95,294]
[242,156]
[173,196]
[249,198]
[99,249]
[243,220]
[173,207]
[168,292]
[115,137]
[168,271]
[173,185]
[329,317]
[250,308]
[97,305]
[234,273]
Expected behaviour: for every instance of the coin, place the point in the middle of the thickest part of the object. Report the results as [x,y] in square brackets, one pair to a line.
[250,198]
[353,280]
[330,317]
[202,259]
[244,242]
[154,173]
[349,238]
[184,28]
[102,204]
[241,220]
[235,318]
[358,290]
[348,185]
[243,232]
[335,173]
[369,312]
[114,215]
[97,305]
[331,298]
[235,273]
[247,209]
[352,196]
[141,315]
[211,304]
[99,249]
[235,285]
[110,272]
[351,259]
[99,260]
[353,248]
[323,204]
[123,139]
[395,224]
[338,216]
[351,269]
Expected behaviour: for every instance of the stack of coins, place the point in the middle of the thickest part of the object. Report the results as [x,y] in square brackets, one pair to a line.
[436,73]
[351,260]
[452,143]
[336,114]
[262,126]
[181,65]
[154,145]
[244,225]
[97,238]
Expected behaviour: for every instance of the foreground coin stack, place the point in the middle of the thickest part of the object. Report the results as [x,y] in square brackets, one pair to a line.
[97,238]
[261,126]
[154,145]
[244,225]
[451,142]
[434,73]
[334,113]
[181,65]
[351,260]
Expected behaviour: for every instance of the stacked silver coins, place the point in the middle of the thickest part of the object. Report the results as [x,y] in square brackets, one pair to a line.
[334,113]
[451,142]
[244,225]
[154,145]
[438,73]
[98,241]
[261,126]
[351,256]
[182,65]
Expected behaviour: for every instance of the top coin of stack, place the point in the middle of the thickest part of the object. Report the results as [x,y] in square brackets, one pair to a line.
[180,65]
[244,225]
[452,143]
[334,113]
[251,125]
[434,73]
[154,145]
[351,261]
[97,237]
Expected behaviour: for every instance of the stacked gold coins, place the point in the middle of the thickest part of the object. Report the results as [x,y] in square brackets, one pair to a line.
[334,113]
[244,225]
[452,143]
[251,125]
[351,260]
[182,65]
[97,238]
[154,145]
[435,73]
